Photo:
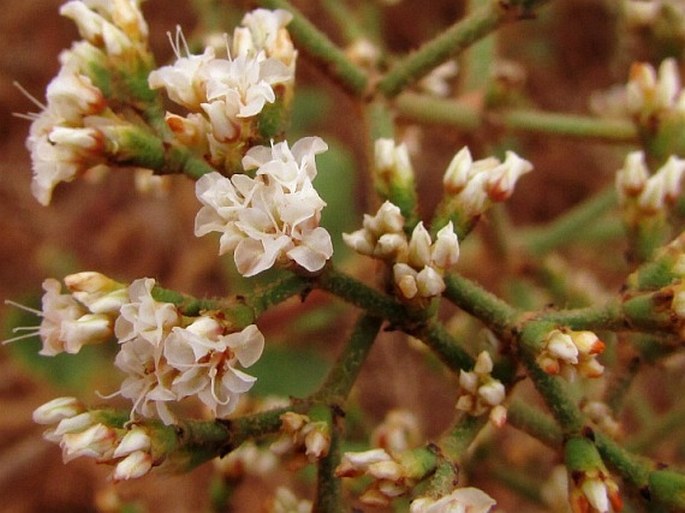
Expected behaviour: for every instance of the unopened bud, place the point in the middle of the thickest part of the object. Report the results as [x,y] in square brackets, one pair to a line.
[133,466]
[58,409]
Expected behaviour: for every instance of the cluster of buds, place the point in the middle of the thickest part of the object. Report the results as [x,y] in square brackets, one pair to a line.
[650,93]
[302,436]
[399,431]
[80,432]
[418,262]
[592,489]
[665,17]
[226,97]
[167,357]
[82,317]
[481,392]
[472,186]
[273,217]
[569,352]
[467,500]
[391,478]
[649,194]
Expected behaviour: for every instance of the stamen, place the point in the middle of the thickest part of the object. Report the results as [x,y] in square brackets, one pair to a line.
[20,337]
[178,43]
[33,99]
[24,307]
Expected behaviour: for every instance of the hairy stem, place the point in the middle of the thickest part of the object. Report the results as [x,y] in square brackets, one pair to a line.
[321,50]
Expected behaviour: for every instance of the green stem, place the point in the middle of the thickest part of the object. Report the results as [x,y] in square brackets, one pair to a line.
[468,117]
[319,48]
[448,44]
[329,487]
[346,369]
[460,437]
[445,346]
[634,469]
[570,226]
[345,19]
[240,310]
[357,293]
[427,109]
[568,125]
[532,421]
[472,298]
[551,388]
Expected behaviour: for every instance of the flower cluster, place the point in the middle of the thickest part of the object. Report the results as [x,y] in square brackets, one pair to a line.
[418,262]
[225,96]
[82,317]
[650,93]
[595,491]
[168,358]
[77,126]
[649,194]
[569,352]
[273,217]
[165,356]
[82,433]
[466,500]
[474,184]
[481,392]
[301,435]
[391,479]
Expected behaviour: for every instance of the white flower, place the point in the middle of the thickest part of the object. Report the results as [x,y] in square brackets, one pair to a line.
[632,177]
[267,33]
[184,81]
[569,352]
[207,363]
[271,218]
[503,178]
[445,249]
[290,167]
[143,316]
[117,25]
[392,160]
[481,392]
[98,292]
[648,92]
[461,500]
[148,379]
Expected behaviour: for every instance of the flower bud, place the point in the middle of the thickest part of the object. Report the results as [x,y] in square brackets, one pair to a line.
[445,249]
[135,465]
[458,172]
[58,409]
[97,441]
[420,247]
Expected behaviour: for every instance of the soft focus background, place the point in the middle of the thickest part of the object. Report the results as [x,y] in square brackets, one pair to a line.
[572,50]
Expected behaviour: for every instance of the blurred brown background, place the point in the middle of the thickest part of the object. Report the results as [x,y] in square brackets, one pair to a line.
[107,227]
